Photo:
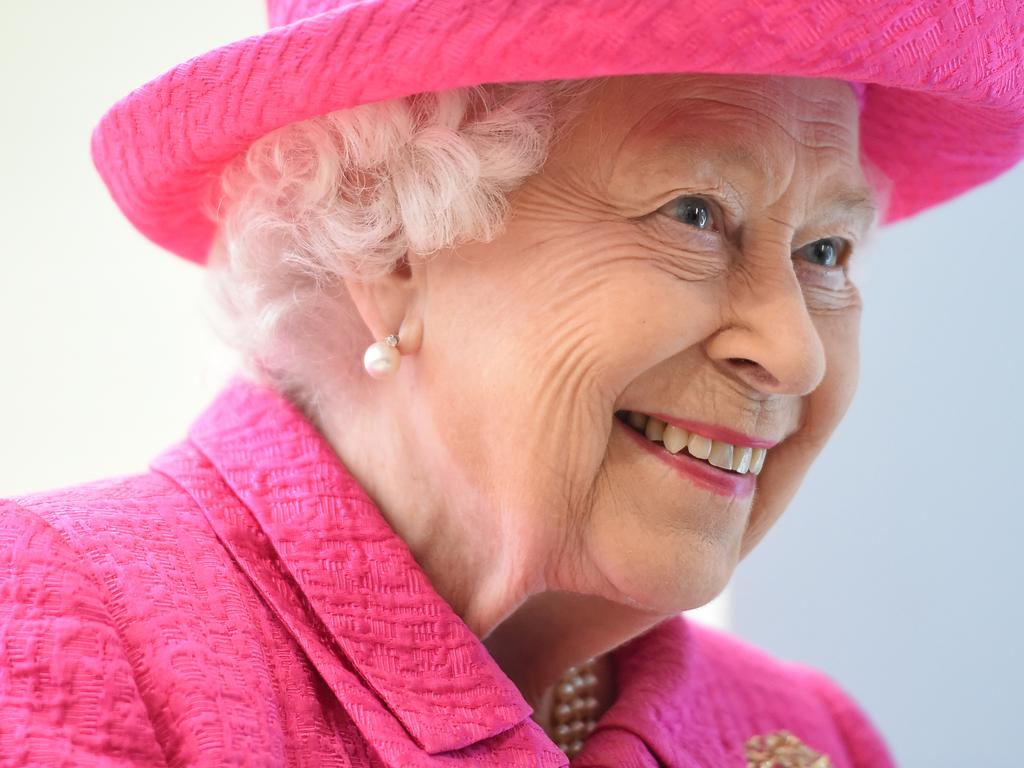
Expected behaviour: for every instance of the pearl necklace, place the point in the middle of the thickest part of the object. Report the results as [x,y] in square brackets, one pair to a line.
[574,710]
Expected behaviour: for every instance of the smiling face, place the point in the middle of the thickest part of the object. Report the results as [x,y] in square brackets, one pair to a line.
[683,254]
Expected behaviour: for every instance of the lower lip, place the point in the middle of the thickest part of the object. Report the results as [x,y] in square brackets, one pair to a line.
[699,472]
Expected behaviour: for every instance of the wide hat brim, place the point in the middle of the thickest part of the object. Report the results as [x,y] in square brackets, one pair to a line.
[943,111]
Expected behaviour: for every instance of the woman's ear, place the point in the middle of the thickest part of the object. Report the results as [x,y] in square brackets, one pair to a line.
[391,304]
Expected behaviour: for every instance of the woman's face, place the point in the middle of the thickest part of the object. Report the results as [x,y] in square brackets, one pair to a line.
[683,253]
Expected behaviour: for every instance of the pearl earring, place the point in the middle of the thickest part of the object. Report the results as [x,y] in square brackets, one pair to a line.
[382,357]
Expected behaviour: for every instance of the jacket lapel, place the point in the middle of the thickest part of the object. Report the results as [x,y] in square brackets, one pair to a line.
[346,586]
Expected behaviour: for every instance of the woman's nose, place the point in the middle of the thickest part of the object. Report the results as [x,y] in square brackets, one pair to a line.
[768,339]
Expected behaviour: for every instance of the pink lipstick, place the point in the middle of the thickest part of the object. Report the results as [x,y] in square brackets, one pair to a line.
[699,472]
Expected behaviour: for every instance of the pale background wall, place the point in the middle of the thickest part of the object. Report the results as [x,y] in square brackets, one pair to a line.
[897,569]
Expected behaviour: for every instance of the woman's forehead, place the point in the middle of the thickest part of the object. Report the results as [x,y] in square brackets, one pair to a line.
[764,133]
[769,94]
[739,115]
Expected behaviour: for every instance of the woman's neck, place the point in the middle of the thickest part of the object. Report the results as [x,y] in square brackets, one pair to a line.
[495,580]
[553,631]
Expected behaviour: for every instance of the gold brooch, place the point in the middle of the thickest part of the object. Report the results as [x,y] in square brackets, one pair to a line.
[782,750]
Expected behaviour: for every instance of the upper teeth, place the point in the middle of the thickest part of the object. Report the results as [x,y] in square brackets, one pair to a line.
[737,458]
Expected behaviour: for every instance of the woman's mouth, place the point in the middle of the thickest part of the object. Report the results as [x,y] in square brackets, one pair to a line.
[719,466]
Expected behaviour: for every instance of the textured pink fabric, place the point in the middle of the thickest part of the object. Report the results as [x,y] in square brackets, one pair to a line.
[943,110]
[245,603]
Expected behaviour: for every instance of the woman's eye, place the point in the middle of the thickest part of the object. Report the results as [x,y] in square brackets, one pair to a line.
[693,211]
[824,253]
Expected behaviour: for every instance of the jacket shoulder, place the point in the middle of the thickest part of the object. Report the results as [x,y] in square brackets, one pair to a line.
[67,685]
[778,684]
[177,610]
[115,512]
[138,533]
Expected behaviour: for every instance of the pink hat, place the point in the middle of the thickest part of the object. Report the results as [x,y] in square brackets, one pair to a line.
[943,109]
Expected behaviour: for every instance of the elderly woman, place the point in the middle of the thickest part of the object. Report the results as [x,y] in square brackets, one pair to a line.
[531,364]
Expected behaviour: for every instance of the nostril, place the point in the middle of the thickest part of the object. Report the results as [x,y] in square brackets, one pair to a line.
[755,370]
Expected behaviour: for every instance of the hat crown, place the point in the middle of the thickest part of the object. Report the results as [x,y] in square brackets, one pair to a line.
[283,12]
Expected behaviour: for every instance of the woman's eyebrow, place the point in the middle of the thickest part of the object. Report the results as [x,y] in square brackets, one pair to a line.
[858,204]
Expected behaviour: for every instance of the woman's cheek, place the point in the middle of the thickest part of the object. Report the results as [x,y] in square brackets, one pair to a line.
[840,335]
[843,328]
[821,412]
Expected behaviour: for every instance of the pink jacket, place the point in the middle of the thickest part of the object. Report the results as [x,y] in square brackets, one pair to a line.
[244,603]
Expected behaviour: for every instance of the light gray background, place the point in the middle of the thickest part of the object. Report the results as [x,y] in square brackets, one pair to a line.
[896,569]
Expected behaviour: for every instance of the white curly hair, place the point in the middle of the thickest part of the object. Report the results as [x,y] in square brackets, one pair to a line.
[348,195]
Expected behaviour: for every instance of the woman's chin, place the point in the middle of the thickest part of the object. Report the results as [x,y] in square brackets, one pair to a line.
[670,579]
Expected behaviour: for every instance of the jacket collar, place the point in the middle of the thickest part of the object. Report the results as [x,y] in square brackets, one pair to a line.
[666,700]
[363,589]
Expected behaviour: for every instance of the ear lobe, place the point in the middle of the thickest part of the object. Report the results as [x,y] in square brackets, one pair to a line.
[390,304]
